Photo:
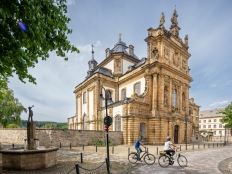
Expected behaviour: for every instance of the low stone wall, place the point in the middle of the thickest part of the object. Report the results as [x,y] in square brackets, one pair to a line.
[48,137]
[221,139]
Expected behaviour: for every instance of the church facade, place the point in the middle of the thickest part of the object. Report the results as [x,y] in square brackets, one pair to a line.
[150,95]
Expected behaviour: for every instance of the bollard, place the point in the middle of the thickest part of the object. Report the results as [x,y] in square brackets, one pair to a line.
[70,146]
[204,145]
[77,169]
[198,146]
[213,144]
[96,148]
[180,147]
[107,165]
[193,146]
[217,144]
[13,145]
[81,158]
[157,150]
[60,144]
[128,150]
[112,149]
[208,145]
[83,147]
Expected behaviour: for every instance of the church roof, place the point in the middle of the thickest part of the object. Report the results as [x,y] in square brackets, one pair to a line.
[104,71]
[120,46]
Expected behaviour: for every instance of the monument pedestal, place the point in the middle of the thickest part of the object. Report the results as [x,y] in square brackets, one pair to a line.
[31,144]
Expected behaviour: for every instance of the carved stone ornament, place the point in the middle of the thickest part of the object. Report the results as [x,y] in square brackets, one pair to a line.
[166,53]
[186,40]
[117,65]
[162,20]
[155,53]
[184,64]
[166,79]
[176,59]
[136,97]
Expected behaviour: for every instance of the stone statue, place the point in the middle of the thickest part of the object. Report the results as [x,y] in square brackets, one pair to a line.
[162,20]
[155,53]
[186,40]
[30,113]
[174,19]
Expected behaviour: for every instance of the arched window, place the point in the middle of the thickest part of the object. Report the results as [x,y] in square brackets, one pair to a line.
[137,88]
[108,94]
[183,98]
[84,97]
[174,97]
[123,94]
[85,122]
[118,123]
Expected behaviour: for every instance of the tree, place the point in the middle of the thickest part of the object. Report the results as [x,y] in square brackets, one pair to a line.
[29,30]
[10,108]
[12,126]
[228,116]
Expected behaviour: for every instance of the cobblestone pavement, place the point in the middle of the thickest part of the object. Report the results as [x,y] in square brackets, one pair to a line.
[202,161]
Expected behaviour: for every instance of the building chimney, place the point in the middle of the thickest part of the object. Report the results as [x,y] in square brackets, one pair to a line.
[107,52]
[131,50]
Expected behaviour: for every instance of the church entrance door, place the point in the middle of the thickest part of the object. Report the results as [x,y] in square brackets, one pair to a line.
[143,129]
[176,129]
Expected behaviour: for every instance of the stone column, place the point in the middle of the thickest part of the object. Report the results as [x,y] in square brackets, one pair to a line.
[161,92]
[31,145]
[180,105]
[154,94]
[170,96]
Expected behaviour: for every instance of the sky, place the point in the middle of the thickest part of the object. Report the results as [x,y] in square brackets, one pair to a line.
[207,23]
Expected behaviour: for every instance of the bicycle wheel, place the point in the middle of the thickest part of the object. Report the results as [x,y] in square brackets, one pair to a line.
[182,161]
[149,159]
[163,161]
[133,157]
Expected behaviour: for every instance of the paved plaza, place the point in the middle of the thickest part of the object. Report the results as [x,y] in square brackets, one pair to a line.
[206,160]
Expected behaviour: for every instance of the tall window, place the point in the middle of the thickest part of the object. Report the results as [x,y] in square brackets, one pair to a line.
[204,126]
[209,126]
[108,94]
[215,120]
[204,121]
[183,99]
[118,123]
[165,96]
[220,125]
[215,126]
[85,122]
[84,97]
[137,88]
[123,93]
[174,97]
[209,121]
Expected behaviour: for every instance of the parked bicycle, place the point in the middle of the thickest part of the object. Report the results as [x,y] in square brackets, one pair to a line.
[166,160]
[148,158]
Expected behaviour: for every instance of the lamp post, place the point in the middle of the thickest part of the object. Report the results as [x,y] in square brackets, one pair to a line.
[225,136]
[186,121]
[107,122]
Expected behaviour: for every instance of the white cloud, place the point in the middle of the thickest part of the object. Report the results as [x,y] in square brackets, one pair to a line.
[214,85]
[219,104]
[70,2]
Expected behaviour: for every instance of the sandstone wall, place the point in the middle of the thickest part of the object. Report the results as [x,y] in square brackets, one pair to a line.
[222,139]
[48,137]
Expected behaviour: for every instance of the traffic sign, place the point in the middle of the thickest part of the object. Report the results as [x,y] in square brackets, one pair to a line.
[108,121]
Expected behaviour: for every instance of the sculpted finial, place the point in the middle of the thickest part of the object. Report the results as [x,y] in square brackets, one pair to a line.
[186,40]
[174,19]
[162,19]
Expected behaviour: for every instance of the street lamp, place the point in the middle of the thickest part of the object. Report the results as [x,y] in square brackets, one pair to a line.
[107,122]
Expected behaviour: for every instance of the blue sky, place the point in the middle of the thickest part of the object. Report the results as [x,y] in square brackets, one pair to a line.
[208,24]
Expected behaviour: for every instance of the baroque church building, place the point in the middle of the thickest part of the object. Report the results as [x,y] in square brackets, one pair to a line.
[150,95]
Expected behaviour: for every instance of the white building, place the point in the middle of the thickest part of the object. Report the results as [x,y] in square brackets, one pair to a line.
[210,120]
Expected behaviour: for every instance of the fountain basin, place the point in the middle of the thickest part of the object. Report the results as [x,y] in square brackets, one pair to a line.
[20,159]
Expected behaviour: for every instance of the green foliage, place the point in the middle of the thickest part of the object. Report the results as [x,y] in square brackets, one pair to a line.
[64,127]
[10,108]
[228,116]
[46,31]
[101,143]
[43,124]
[50,126]
[12,126]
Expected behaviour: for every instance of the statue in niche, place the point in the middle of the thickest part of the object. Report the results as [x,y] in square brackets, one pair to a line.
[155,53]
[174,19]
[117,65]
[162,20]
[186,40]
[166,53]
[184,64]
[165,97]
[30,113]
[176,59]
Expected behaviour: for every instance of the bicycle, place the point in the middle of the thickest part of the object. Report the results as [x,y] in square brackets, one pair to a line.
[166,160]
[148,158]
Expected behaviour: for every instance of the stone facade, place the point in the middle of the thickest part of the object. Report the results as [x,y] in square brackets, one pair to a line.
[53,137]
[151,97]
